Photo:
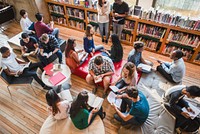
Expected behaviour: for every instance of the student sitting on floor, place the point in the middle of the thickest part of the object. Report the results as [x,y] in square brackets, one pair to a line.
[138,105]
[71,56]
[135,56]
[100,68]
[26,24]
[14,67]
[88,41]
[174,71]
[48,46]
[41,27]
[128,77]
[58,108]
[29,46]
[116,52]
[175,102]
[81,114]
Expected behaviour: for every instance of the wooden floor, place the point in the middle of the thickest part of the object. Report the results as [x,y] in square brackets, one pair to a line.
[26,112]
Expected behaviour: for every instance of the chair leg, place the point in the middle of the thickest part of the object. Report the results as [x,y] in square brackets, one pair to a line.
[33,90]
[9,91]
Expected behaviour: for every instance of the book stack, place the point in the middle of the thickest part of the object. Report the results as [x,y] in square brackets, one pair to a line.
[149,30]
[59,20]
[129,24]
[75,13]
[56,9]
[150,44]
[184,38]
[126,36]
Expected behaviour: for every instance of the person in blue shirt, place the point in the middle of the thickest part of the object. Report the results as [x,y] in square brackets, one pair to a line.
[138,105]
[88,41]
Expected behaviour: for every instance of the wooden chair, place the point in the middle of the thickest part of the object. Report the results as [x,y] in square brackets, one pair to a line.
[15,81]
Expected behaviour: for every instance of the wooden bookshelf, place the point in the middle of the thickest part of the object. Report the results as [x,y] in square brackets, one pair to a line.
[162,40]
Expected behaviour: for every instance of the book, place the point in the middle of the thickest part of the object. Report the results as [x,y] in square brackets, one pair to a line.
[145,67]
[99,79]
[27,54]
[95,101]
[114,88]
[113,100]
[66,95]
[48,67]
[24,66]
[47,54]
[57,78]
[195,109]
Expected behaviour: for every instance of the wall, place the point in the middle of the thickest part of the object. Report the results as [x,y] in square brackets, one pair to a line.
[42,7]
[146,4]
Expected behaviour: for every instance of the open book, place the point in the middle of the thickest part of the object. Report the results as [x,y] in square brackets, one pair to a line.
[95,101]
[47,54]
[27,54]
[98,80]
[117,19]
[81,54]
[195,109]
[114,88]
[24,66]
[113,100]
[145,67]
[66,95]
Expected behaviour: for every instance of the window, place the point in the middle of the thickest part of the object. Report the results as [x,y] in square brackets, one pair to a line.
[129,2]
[184,7]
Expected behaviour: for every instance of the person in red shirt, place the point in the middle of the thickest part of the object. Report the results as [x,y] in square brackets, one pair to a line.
[41,27]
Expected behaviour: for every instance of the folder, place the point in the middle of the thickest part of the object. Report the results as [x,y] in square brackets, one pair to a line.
[48,67]
[57,78]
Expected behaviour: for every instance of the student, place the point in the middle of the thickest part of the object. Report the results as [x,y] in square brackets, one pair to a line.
[128,77]
[80,114]
[116,52]
[57,107]
[12,66]
[49,44]
[28,45]
[88,41]
[174,102]
[103,8]
[41,27]
[100,67]
[26,24]
[135,56]
[71,56]
[138,105]
[120,11]
[174,71]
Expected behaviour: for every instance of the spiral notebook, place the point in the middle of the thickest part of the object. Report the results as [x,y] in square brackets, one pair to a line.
[57,78]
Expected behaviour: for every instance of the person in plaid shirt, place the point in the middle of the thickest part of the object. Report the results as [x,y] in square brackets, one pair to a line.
[100,67]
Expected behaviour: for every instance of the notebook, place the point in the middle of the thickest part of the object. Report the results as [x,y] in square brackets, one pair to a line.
[57,78]
[48,67]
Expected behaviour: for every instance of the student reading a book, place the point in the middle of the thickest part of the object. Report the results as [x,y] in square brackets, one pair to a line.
[29,46]
[120,11]
[138,105]
[100,68]
[135,56]
[81,114]
[174,71]
[57,107]
[103,8]
[116,52]
[128,77]
[174,102]
[26,24]
[49,45]
[88,41]
[15,67]
[71,56]
[41,27]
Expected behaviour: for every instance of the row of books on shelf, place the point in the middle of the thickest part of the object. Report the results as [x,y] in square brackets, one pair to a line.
[169,49]
[92,17]
[65,1]
[165,17]
[56,8]
[75,13]
[59,20]
[76,24]
[198,57]
[154,31]
[129,24]
[126,37]
[150,44]
[184,38]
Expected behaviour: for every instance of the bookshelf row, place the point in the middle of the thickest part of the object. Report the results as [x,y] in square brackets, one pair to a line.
[158,37]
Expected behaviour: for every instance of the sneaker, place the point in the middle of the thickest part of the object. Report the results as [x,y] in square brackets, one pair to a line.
[103,115]
[102,40]
[94,90]
[47,87]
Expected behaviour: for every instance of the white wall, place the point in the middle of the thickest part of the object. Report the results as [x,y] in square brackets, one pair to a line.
[146,4]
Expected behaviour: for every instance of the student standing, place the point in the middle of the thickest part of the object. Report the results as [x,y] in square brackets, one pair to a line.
[103,8]
[120,11]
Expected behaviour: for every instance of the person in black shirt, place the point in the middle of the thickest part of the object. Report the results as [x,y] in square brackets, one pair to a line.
[48,46]
[120,11]
[29,46]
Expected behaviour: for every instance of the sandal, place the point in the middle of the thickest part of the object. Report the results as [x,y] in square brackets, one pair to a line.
[103,115]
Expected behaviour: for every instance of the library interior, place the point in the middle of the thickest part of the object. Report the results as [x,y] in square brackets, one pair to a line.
[100,66]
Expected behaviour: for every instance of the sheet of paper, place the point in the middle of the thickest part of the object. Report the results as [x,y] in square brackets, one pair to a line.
[114,88]
[195,109]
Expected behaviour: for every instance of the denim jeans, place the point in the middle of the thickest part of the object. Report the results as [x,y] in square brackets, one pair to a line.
[102,27]
[117,29]
[55,32]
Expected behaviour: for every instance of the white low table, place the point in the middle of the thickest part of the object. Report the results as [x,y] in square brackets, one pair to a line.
[15,41]
[64,70]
